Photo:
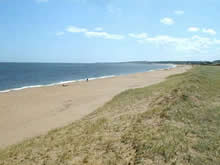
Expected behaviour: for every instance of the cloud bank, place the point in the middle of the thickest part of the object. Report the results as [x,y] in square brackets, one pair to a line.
[191,44]
[195,43]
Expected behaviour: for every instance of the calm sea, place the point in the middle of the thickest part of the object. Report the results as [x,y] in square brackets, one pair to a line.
[18,76]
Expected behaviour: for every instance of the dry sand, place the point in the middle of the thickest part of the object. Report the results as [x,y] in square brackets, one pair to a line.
[35,111]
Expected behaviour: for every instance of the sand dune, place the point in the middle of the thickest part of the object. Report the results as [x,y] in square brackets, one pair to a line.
[35,111]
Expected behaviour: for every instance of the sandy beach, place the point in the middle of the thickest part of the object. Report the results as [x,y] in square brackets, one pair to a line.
[35,111]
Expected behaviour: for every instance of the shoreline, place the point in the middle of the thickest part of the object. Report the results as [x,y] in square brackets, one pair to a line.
[53,84]
[79,80]
[35,111]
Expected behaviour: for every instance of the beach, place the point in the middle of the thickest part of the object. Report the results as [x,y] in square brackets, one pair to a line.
[35,111]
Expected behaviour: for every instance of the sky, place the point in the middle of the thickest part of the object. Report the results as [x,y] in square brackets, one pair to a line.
[109,30]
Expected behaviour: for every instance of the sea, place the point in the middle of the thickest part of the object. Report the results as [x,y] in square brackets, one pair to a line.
[18,76]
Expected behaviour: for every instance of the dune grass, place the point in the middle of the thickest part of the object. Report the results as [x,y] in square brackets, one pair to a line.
[174,122]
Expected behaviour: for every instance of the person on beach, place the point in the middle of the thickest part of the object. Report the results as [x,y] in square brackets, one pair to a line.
[87,80]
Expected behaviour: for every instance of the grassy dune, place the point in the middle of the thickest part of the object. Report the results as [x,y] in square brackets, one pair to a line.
[174,122]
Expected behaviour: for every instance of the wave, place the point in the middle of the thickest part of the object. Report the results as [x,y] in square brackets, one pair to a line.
[53,84]
[73,81]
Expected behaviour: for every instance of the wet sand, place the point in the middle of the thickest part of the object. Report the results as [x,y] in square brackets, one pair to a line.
[35,111]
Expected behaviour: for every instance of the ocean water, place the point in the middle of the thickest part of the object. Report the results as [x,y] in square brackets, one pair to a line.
[17,76]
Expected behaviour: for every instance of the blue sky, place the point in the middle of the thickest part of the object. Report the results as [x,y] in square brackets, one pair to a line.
[109,30]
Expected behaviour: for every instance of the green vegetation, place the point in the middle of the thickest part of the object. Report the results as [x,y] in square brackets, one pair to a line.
[174,122]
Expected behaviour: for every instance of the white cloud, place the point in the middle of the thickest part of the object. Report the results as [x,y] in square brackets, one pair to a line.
[138,36]
[195,43]
[41,1]
[167,21]
[179,12]
[97,34]
[104,35]
[59,33]
[193,29]
[74,29]
[209,31]
[204,30]
[99,29]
